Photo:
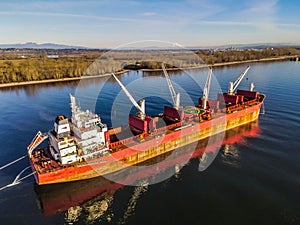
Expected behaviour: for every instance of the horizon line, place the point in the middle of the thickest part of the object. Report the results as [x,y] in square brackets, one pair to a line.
[174,46]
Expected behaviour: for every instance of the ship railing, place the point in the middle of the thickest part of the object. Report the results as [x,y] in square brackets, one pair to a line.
[84,129]
[87,143]
[130,139]
[248,103]
[98,154]
[123,142]
[169,127]
[251,102]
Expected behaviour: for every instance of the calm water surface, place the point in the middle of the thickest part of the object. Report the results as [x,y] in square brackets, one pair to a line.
[254,179]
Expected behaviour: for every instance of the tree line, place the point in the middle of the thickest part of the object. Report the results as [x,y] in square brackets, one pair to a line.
[42,68]
[13,68]
[212,57]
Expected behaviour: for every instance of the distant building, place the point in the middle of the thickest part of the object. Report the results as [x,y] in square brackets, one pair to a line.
[52,56]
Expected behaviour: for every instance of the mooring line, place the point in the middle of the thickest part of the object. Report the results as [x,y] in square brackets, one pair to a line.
[12,162]
[18,180]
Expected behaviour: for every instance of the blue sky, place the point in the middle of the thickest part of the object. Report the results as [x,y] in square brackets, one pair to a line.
[109,23]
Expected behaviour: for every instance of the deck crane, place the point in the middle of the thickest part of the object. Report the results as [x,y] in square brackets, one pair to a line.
[206,89]
[233,85]
[175,96]
[141,107]
[36,141]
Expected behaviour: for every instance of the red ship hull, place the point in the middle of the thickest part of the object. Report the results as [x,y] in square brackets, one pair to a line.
[58,198]
[130,152]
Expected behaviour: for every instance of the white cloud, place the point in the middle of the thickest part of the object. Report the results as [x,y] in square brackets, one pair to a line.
[262,7]
[288,25]
[264,14]
[225,23]
[38,4]
[148,14]
[80,16]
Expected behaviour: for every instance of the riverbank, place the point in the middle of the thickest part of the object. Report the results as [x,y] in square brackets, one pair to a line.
[14,84]
[281,58]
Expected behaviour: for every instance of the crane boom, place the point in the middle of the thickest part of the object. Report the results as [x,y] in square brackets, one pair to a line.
[137,106]
[234,85]
[206,88]
[36,141]
[175,96]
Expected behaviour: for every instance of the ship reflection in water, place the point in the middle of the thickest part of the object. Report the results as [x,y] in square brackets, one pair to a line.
[230,152]
[92,200]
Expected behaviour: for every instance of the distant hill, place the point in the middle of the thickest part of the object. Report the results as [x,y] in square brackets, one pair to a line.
[33,45]
[248,46]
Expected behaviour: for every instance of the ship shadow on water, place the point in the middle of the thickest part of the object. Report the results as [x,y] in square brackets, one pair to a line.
[92,199]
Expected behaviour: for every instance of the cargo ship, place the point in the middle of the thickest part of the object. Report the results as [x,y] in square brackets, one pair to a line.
[82,147]
[57,198]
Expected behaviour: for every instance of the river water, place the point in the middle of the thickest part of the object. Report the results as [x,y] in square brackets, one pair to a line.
[253,178]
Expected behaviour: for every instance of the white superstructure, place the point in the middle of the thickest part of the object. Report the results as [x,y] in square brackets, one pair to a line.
[88,131]
[79,139]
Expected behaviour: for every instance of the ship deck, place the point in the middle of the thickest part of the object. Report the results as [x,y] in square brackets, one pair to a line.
[43,162]
[191,121]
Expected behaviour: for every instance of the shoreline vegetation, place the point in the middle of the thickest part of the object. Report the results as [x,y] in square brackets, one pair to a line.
[19,70]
